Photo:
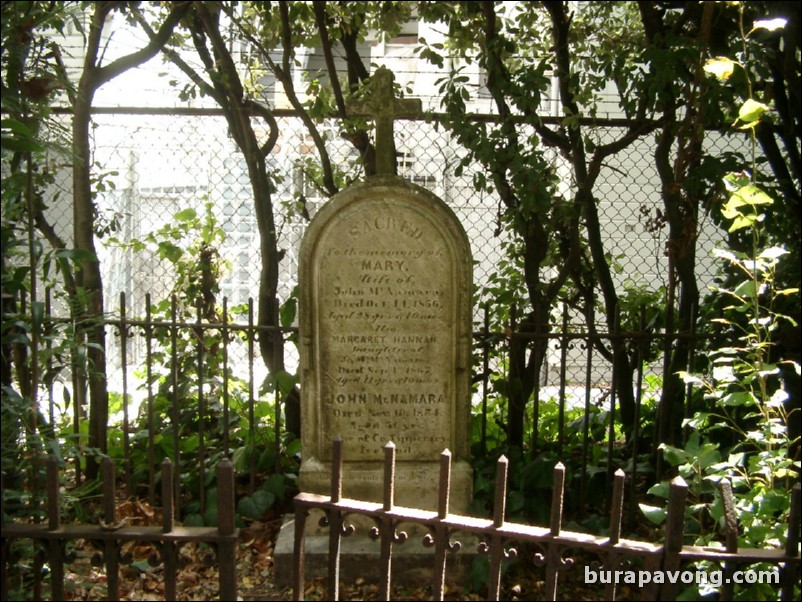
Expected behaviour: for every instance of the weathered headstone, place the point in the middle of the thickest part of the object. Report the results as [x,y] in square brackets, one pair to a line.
[385,333]
[385,341]
[385,283]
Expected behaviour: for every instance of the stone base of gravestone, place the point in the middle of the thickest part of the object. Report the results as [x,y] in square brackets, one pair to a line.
[416,483]
[360,556]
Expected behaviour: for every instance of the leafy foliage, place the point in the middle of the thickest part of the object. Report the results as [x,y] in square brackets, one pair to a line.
[740,433]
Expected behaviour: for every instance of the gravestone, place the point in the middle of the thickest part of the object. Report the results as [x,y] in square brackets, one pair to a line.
[385,286]
[385,333]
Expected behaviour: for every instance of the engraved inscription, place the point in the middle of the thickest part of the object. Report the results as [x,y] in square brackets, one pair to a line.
[386,334]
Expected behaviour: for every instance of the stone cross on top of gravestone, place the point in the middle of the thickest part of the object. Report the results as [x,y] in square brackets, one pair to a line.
[382,105]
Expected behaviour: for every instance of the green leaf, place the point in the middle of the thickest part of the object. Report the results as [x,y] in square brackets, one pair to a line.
[38,311]
[721,67]
[76,255]
[751,111]
[747,288]
[738,398]
[287,312]
[169,251]
[186,215]
[276,485]
[742,222]
[674,455]
[699,420]
[747,195]
[254,506]
[193,520]
[142,566]
[770,24]
[515,501]
[708,456]
[659,489]
[240,459]
[773,253]
[654,514]
[724,253]
[690,379]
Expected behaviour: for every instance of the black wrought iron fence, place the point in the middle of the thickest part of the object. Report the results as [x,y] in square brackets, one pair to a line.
[109,535]
[663,567]
[194,391]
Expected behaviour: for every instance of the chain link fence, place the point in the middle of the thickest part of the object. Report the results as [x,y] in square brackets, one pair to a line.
[150,165]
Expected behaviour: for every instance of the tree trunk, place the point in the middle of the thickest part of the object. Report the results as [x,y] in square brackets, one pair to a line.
[89,282]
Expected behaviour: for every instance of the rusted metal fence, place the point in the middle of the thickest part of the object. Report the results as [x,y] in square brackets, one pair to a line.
[501,536]
[110,534]
[160,365]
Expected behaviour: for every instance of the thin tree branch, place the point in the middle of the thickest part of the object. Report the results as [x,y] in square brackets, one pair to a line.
[325,43]
[284,75]
[176,59]
[112,70]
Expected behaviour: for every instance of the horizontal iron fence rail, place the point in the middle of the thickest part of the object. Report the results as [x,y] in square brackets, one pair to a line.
[499,534]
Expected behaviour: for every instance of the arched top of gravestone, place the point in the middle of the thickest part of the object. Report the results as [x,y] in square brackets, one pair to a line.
[391,191]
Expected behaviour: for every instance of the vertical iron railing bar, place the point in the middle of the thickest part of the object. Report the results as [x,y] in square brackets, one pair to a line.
[46,550]
[175,415]
[148,331]
[168,548]
[55,554]
[485,374]
[616,510]
[48,332]
[298,551]
[335,519]
[78,389]
[388,497]
[674,533]
[226,549]
[496,548]
[616,516]
[555,526]
[277,401]
[387,528]
[34,443]
[4,545]
[251,401]
[563,368]
[126,420]
[691,366]
[110,546]
[441,534]
[730,538]
[538,366]
[657,456]
[201,346]
[789,573]
[641,341]
[611,413]
[226,418]
[512,328]
[500,505]
[583,483]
